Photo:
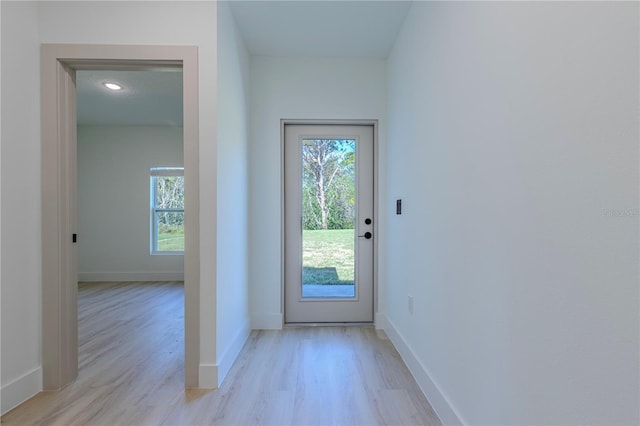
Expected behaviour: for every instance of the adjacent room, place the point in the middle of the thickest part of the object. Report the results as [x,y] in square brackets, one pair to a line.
[131,228]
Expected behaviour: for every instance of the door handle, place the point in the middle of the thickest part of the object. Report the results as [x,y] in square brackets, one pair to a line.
[366,235]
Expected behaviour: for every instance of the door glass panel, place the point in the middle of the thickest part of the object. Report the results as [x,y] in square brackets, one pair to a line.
[328,218]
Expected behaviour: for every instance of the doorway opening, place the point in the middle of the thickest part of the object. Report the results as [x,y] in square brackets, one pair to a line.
[129,129]
[130,175]
[60,63]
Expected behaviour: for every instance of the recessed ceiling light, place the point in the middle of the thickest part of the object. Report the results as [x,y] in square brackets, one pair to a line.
[112,86]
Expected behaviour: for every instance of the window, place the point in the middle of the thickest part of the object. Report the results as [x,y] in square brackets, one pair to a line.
[167,210]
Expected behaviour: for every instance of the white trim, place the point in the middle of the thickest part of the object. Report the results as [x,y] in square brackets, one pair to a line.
[225,362]
[19,390]
[441,404]
[166,171]
[267,321]
[59,318]
[208,376]
[130,276]
[380,321]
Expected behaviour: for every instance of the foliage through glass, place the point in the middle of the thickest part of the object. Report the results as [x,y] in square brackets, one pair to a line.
[168,213]
[328,213]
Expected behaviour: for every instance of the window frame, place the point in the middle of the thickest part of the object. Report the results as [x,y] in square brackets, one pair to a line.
[154,174]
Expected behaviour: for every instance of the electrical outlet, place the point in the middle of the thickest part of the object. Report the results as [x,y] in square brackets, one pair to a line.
[410,303]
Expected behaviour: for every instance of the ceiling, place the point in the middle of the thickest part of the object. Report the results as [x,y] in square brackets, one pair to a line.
[320,28]
[150,98]
[344,28]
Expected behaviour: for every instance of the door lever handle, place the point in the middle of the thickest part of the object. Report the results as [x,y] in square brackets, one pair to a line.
[366,235]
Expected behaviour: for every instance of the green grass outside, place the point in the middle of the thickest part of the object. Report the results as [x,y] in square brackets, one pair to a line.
[328,257]
[171,238]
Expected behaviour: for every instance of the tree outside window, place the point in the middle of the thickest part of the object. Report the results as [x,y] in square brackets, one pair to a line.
[328,184]
[167,210]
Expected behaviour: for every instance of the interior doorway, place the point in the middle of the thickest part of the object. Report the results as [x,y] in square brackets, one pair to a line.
[329,223]
[130,175]
[59,195]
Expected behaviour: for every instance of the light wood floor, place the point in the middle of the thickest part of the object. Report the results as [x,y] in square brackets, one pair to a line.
[131,372]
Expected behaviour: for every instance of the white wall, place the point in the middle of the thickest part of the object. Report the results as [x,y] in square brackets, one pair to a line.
[20,369]
[24,26]
[295,88]
[113,201]
[513,141]
[232,283]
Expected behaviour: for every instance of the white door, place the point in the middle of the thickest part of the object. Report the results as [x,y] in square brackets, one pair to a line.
[328,223]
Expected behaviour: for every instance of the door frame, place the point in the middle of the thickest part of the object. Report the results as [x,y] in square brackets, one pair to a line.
[337,122]
[59,216]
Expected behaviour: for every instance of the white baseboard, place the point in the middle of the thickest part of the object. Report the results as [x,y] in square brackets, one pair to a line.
[440,403]
[19,390]
[380,321]
[231,353]
[130,276]
[208,376]
[266,321]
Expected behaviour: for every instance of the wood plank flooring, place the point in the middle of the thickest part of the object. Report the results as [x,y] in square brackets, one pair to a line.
[131,372]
